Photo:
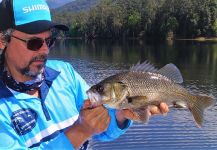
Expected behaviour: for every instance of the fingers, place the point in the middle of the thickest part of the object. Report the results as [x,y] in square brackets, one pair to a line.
[100,114]
[154,110]
[164,108]
[142,114]
[103,122]
[161,109]
[94,120]
[92,113]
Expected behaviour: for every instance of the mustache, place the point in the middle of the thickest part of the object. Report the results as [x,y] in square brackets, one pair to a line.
[41,57]
[26,70]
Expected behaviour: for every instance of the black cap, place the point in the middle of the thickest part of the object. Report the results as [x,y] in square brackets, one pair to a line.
[28,16]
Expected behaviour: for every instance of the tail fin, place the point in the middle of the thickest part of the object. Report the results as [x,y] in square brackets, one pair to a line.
[197,108]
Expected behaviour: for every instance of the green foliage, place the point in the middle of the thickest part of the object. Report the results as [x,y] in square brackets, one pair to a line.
[214,27]
[170,24]
[134,19]
[141,18]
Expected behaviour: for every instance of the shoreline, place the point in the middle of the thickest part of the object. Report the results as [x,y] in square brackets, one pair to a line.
[199,39]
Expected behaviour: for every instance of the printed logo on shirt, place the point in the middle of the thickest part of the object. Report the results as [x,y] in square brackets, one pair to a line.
[24,120]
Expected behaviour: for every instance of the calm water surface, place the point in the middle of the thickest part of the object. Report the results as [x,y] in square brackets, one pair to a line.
[198,64]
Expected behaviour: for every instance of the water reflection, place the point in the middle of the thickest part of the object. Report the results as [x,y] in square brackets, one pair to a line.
[200,58]
[177,130]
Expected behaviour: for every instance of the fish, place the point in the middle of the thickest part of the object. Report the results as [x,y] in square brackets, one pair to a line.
[144,85]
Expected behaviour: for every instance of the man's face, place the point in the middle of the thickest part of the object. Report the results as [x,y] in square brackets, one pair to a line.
[22,61]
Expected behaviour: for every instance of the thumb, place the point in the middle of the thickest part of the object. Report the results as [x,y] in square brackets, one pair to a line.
[87,104]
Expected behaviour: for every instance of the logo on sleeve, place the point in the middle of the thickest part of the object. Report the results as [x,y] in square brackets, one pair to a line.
[24,120]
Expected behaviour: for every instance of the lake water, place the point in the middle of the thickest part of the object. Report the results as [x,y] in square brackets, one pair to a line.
[198,64]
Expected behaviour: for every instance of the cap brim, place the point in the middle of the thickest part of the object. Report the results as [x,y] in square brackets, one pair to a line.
[40,26]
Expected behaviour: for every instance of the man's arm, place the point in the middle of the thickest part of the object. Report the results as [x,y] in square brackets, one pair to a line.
[123,115]
[95,122]
[91,121]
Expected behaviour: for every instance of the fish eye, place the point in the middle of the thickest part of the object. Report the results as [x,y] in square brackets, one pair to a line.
[99,88]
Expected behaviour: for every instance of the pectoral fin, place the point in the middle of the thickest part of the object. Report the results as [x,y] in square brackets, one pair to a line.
[139,106]
[143,114]
[137,101]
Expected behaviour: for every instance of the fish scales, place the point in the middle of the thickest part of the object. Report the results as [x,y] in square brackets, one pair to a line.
[149,84]
[141,86]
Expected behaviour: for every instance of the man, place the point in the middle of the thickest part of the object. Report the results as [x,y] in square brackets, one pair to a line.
[42,102]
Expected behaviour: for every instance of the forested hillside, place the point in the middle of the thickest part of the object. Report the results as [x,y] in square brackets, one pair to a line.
[77,6]
[57,3]
[143,18]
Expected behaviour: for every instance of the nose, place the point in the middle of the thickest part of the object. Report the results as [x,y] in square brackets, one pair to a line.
[45,49]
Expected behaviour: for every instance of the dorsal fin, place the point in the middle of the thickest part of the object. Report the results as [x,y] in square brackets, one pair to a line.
[171,72]
[144,67]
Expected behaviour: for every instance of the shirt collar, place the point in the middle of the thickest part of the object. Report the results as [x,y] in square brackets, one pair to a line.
[50,75]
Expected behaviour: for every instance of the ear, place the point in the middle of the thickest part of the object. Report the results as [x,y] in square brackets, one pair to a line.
[3,41]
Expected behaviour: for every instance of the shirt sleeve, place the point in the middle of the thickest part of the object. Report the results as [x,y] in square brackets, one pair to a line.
[79,85]
[60,142]
[113,130]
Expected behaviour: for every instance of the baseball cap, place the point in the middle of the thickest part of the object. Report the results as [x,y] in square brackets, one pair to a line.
[28,16]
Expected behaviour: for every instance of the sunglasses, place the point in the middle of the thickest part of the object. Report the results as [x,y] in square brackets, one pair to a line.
[36,43]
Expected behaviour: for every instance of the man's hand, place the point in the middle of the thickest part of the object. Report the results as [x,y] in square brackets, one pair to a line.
[91,121]
[94,120]
[122,115]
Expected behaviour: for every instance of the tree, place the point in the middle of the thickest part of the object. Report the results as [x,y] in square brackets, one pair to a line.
[133,21]
[152,18]
[214,27]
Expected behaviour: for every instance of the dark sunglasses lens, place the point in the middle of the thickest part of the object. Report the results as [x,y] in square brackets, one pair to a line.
[50,42]
[35,44]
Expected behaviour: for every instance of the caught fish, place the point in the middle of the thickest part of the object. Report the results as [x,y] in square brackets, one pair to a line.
[145,85]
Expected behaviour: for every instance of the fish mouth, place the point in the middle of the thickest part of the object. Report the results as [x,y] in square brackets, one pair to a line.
[94,98]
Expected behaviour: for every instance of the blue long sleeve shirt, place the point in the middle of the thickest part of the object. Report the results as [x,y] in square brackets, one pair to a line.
[39,123]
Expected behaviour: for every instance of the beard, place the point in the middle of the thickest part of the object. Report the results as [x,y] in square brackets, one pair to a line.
[27,71]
